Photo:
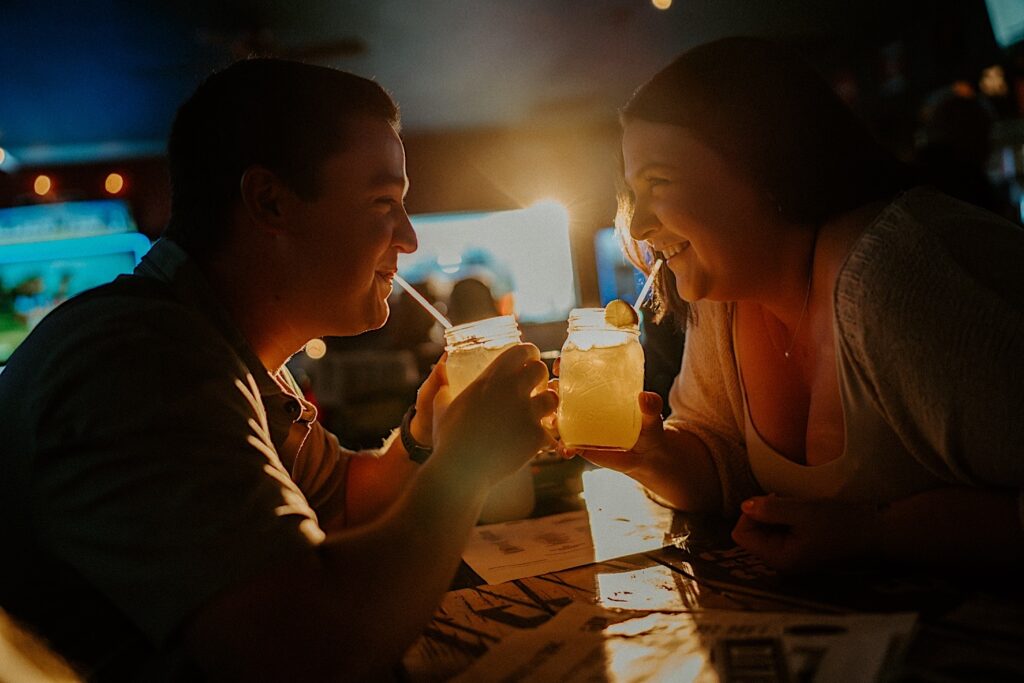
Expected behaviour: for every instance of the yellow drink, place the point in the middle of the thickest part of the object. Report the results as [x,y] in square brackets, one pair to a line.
[471,348]
[466,364]
[601,376]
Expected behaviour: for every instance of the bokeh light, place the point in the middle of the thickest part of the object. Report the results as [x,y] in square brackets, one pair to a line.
[42,185]
[316,348]
[114,183]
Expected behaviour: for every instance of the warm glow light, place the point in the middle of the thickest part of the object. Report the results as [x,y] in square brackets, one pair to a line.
[662,4]
[656,588]
[627,522]
[993,81]
[114,183]
[963,89]
[42,185]
[3,155]
[316,348]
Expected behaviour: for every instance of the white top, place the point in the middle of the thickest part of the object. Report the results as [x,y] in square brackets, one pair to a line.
[929,334]
[874,466]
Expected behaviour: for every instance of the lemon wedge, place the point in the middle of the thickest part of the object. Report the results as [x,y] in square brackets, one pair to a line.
[620,314]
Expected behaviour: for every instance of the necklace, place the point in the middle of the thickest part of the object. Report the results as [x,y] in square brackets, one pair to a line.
[788,352]
[803,312]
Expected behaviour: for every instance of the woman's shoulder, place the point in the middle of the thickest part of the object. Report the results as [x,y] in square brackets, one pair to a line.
[925,260]
[924,235]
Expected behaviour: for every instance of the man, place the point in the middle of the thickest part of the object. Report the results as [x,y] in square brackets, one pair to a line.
[170,503]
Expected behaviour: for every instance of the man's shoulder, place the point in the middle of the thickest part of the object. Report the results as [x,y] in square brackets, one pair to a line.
[132,331]
[127,301]
[128,314]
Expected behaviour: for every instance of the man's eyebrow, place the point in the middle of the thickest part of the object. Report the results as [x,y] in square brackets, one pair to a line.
[390,179]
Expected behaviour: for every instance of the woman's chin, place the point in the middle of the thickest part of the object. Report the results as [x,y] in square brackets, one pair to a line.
[686,292]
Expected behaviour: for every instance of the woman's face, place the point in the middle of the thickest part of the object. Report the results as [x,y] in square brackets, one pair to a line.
[710,224]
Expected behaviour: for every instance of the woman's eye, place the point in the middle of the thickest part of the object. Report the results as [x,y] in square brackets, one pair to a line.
[654,181]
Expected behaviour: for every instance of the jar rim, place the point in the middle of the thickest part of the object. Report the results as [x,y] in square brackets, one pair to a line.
[593,318]
[497,321]
[502,328]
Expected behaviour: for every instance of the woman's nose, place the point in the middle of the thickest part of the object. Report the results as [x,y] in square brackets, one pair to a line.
[643,224]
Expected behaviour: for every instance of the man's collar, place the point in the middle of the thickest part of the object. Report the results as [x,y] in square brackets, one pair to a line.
[167,262]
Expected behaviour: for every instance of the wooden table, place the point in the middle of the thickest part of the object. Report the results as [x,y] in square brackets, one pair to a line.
[968,629]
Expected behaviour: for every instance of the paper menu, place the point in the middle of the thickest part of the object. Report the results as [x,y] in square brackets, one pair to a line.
[619,520]
[587,643]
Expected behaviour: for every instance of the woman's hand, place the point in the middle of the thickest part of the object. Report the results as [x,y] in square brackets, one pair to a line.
[799,535]
[494,425]
[651,439]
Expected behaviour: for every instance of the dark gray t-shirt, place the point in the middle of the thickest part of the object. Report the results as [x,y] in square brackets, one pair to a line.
[140,445]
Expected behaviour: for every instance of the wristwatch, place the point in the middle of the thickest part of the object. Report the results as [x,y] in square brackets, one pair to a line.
[417,452]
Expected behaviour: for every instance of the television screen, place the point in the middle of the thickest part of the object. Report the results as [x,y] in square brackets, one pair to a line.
[1007,17]
[523,253]
[64,220]
[37,276]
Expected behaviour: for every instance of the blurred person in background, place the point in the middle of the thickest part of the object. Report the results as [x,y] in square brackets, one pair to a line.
[471,300]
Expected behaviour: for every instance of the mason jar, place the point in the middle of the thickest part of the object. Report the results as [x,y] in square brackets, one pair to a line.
[471,348]
[600,378]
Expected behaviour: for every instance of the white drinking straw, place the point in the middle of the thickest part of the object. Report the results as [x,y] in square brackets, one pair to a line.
[647,285]
[423,302]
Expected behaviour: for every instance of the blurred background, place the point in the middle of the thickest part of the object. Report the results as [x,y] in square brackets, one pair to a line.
[509,114]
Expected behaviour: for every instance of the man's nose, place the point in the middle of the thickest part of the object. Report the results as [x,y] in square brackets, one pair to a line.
[405,236]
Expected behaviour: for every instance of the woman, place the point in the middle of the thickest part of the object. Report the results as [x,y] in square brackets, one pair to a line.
[852,380]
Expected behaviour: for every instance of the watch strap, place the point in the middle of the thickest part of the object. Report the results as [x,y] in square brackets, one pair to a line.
[417,452]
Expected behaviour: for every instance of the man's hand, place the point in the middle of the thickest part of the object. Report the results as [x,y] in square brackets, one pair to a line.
[422,426]
[494,426]
[799,535]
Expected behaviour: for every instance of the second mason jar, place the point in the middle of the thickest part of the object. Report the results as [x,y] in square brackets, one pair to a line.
[600,378]
[471,348]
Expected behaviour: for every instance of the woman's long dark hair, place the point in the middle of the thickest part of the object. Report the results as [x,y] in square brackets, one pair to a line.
[769,113]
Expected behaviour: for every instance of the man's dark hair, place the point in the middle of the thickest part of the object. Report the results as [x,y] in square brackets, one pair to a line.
[286,116]
[771,115]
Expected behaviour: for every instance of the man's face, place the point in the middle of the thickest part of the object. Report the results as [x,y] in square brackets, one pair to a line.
[349,237]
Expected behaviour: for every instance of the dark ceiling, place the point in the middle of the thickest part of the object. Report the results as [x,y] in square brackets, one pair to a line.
[83,81]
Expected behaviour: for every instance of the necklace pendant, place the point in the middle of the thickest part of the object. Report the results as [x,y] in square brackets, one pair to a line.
[786,354]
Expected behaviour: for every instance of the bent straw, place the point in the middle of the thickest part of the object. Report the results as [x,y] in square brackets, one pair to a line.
[647,285]
[423,302]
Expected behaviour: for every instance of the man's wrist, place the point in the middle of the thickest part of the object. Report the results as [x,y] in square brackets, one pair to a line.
[417,430]
[417,451]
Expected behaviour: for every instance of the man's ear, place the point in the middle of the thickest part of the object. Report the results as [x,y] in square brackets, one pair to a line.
[263,197]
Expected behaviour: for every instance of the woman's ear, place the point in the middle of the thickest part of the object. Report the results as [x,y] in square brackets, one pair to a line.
[263,197]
